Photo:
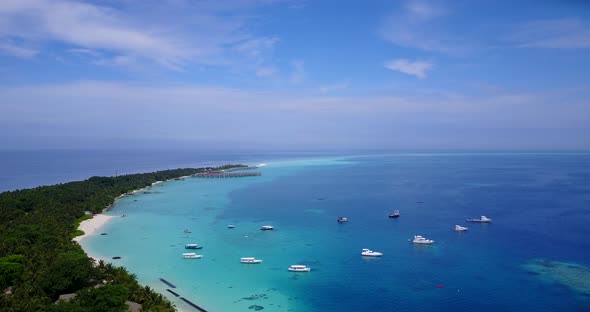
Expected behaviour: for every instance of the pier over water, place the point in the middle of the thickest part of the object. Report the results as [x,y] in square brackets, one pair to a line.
[223,174]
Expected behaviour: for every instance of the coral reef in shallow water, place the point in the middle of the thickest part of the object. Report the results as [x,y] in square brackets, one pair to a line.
[572,275]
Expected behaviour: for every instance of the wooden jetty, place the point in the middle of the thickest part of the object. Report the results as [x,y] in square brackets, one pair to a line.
[192,304]
[167,283]
[241,168]
[172,292]
[224,174]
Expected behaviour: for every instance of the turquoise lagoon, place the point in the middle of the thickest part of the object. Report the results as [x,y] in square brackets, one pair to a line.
[539,203]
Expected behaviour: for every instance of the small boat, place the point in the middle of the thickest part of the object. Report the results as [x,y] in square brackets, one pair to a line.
[483,219]
[394,214]
[266,228]
[418,239]
[191,255]
[299,268]
[459,228]
[250,260]
[187,231]
[192,246]
[231,226]
[342,219]
[369,253]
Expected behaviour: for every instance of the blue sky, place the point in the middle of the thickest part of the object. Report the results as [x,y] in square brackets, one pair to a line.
[295,74]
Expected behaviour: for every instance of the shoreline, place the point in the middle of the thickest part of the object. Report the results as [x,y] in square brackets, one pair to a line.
[91,226]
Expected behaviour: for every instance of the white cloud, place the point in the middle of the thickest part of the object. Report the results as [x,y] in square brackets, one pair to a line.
[414,68]
[266,71]
[424,9]
[14,50]
[256,47]
[333,87]
[564,33]
[298,73]
[193,113]
[197,34]
[420,25]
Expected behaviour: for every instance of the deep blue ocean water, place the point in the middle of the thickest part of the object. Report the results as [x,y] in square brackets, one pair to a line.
[540,205]
[30,168]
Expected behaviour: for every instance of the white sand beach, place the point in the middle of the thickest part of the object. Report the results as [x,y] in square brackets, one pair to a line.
[91,226]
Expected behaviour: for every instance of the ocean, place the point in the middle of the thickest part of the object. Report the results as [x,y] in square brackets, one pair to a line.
[31,168]
[534,256]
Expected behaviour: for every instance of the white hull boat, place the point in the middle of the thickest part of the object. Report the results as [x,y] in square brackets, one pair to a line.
[419,239]
[191,255]
[483,219]
[299,268]
[369,253]
[250,260]
[459,228]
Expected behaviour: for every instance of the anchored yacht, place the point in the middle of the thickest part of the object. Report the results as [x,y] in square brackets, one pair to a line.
[342,219]
[266,228]
[191,255]
[250,260]
[369,253]
[192,246]
[483,219]
[418,239]
[299,268]
[459,228]
[394,214]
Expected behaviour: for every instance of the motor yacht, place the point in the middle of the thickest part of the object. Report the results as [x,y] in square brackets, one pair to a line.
[250,260]
[369,253]
[342,219]
[191,255]
[299,268]
[394,214]
[459,228]
[266,228]
[418,239]
[483,219]
[192,246]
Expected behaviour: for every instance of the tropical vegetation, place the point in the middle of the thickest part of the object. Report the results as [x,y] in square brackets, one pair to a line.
[39,261]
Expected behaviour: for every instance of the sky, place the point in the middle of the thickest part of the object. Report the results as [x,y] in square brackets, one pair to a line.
[272,74]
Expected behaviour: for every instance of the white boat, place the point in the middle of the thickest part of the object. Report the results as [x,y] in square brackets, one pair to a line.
[231,226]
[191,255]
[192,246]
[369,253]
[418,239]
[483,219]
[459,228]
[299,268]
[250,260]
[342,219]
[394,214]
[266,228]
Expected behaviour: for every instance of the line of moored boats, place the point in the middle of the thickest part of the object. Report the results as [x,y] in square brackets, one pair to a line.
[365,252]
[418,239]
[245,260]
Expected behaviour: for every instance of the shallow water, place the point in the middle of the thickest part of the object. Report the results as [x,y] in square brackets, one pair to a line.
[539,203]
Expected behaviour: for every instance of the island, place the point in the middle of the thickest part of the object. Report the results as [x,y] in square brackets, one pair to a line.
[42,267]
